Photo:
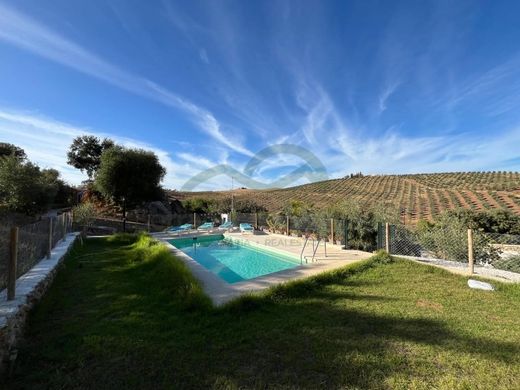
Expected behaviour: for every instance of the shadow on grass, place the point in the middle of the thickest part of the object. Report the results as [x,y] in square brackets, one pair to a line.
[119,316]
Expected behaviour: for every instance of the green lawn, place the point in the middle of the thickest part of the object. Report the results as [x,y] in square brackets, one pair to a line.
[124,314]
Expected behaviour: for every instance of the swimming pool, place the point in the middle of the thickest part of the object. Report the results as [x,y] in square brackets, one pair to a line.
[231,260]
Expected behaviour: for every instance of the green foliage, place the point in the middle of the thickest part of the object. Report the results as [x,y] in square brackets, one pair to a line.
[490,221]
[84,214]
[296,208]
[131,175]
[24,187]
[197,205]
[276,223]
[447,239]
[85,153]
[217,206]
[382,257]
[510,263]
[7,149]
[362,222]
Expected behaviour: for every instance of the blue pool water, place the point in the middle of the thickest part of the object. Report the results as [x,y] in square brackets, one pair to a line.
[233,261]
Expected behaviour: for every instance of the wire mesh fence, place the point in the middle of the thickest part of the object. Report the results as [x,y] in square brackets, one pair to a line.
[500,251]
[34,242]
[444,243]
[5,232]
[506,254]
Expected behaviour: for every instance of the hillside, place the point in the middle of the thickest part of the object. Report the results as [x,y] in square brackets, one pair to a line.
[418,195]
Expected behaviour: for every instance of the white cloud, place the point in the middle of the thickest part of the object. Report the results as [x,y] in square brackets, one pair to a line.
[385,94]
[23,32]
[46,142]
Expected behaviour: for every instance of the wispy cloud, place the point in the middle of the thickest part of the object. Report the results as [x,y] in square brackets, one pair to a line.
[385,94]
[23,32]
[46,142]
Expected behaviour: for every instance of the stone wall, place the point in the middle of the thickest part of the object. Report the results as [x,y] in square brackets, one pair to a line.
[30,289]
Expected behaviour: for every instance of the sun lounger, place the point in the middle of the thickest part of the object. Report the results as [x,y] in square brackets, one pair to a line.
[246,228]
[226,226]
[206,227]
[181,228]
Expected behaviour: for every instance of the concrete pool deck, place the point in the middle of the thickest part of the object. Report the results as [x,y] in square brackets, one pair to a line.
[221,292]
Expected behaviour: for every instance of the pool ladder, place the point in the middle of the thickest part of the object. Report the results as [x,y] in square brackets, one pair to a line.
[314,250]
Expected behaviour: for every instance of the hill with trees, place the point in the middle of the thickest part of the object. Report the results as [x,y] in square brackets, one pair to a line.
[417,196]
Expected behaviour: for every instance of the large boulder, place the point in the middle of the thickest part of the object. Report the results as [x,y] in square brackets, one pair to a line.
[160,213]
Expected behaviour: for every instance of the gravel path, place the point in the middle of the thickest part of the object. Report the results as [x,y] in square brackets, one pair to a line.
[462,268]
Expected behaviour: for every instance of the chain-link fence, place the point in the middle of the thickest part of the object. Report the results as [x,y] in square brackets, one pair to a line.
[506,254]
[451,243]
[34,242]
[443,243]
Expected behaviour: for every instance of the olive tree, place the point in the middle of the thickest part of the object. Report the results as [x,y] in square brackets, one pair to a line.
[129,177]
[84,215]
[85,153]
[7,149]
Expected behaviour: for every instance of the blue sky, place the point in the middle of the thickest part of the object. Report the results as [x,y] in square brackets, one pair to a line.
[377,87]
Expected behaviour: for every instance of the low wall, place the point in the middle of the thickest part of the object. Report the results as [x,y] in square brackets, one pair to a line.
[30,288]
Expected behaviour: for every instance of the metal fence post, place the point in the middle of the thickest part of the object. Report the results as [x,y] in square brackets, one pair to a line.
[471,260]
[287,229]
[387,237]
[194,220]
[332,230]
[256,221]
[50,239]
[13,259]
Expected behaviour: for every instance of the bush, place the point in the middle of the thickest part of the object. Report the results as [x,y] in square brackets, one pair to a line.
[84,214]
[24,187]
[447,239]
[511,263]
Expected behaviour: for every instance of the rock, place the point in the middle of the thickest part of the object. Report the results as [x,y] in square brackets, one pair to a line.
[480,285]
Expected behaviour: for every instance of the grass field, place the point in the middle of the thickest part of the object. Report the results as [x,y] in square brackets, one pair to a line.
[126,314]
[418,196]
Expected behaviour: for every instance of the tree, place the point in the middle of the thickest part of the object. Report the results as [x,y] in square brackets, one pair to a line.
[24,187]
[85,153]
[12,150]
[84,215]
[129,176]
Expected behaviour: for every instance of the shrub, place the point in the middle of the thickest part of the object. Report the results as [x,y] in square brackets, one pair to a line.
[511,263]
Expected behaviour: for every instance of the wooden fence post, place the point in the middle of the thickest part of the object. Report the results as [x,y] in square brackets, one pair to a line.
[194,220]
[287,229]
[50,239]
[471,260]
[345,233]
[387,237]
[256,221]
[13,259]
[64,221]
[332,230]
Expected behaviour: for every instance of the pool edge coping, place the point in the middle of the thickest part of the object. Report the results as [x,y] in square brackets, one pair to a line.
[221,292]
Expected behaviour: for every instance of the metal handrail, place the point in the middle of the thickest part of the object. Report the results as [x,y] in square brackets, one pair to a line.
[303,248]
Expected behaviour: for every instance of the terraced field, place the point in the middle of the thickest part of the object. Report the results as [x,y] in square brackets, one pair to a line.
[419,196]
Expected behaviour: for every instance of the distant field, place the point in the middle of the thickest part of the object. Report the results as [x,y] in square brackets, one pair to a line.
[418,196]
